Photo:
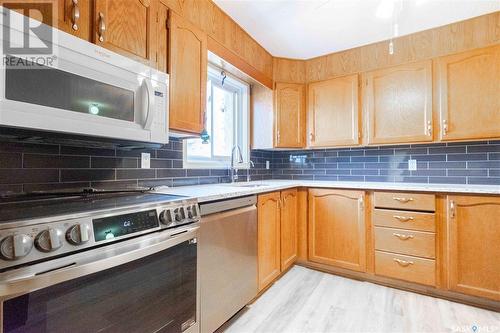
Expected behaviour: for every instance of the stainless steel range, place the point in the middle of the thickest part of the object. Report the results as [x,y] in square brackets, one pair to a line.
[99,261]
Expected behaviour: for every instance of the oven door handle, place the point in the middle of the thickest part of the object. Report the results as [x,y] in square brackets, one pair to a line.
[74,266]
[148,103]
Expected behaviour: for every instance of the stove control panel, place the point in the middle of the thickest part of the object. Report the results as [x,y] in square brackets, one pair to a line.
[26,243]
[175,217]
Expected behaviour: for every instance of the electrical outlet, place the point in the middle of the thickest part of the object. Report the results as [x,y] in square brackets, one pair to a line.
[145,160]
[267,165]
[412,165]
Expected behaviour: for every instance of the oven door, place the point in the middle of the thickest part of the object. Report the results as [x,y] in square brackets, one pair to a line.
[85,90]
[144,285]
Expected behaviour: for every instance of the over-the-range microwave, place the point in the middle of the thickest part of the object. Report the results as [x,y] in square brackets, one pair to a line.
[80,88]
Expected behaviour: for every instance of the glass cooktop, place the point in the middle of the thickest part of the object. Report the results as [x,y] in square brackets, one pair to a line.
[66,205]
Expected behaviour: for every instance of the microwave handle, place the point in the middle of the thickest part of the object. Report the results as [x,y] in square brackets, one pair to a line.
[147,103]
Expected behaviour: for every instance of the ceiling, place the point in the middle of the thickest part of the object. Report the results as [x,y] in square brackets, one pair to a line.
[305,29]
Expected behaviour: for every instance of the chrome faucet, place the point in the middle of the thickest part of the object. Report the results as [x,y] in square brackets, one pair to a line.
[251,165]
[233,169]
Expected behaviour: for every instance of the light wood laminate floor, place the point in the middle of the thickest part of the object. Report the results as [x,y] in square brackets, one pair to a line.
[304,300]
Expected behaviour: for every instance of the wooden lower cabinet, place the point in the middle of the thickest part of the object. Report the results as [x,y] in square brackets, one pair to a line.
[277,234]
[473,227]
[268,231]
[337,230]
[288,228]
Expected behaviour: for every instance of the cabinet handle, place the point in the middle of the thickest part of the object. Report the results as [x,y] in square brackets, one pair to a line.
[361,203]
[311,137]
[403,200]
[445,126]
[102,27]
[403,263]
[403,218]
[452,209]
[401,236]
[75,15]
[429,128]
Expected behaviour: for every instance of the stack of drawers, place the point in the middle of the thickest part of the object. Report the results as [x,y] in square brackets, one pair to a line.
[405,236]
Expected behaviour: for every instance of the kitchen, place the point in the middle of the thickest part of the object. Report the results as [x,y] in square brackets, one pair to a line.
[179,166]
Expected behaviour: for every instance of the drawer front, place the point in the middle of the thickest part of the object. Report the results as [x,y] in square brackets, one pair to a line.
[414,243]
[404,220]
[408,201]
[407,268]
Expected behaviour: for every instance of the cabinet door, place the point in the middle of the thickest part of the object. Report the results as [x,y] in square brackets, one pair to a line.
[290,113]
[268,231]
[288,228]
[474,249]
[162,37]
[337,228]
[399,104]
[188,75]
[127,27]
[469,94]
[333,112]
[74,17]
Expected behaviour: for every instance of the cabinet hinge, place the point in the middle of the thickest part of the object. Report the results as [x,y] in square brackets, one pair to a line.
[452,209]
[361,203]
[359,135]
[168,23]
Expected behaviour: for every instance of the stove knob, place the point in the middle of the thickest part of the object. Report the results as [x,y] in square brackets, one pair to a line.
[78,234]
[49,240]
[194,210]
[189,212]
[179,214]
[15,246]
[166,216]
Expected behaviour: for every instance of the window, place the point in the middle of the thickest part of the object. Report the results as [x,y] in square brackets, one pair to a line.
[227,124]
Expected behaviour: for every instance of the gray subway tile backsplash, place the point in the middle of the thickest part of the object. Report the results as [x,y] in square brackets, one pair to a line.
[34,167]
[447,163]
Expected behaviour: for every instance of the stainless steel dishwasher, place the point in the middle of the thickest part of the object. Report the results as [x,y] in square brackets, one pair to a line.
[227,259]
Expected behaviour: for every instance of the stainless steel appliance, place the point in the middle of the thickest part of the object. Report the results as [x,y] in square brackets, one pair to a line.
[82,89]
[228,259]
[120,262]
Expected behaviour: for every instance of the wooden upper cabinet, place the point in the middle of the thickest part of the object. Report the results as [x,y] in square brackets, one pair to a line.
[398,102]
[268,231]
[188,75]
[289,237]
[74,17]
[469,94]
[333,111]
[162,38]
[337,230]
[473,227]
[127,27]
[290,115]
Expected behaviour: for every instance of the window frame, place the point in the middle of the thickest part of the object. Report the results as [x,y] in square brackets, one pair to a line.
[241,126]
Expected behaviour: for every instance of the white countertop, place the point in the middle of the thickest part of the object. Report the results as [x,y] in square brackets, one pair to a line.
[224,191]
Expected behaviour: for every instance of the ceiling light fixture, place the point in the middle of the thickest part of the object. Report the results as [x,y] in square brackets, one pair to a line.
[397,8]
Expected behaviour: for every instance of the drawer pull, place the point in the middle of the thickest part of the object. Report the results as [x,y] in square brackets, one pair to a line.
[403,218]
[403,263]
[403,200]
[401,236]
